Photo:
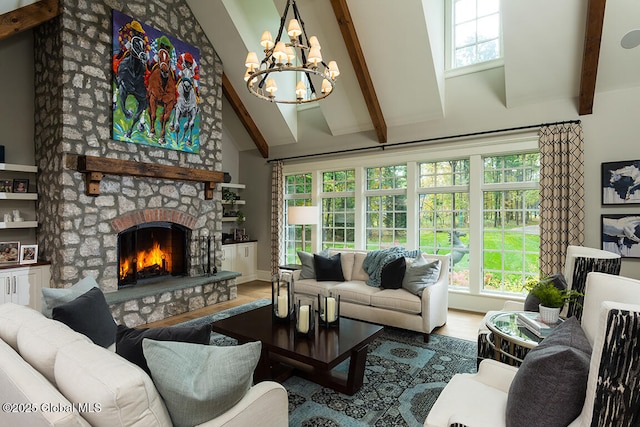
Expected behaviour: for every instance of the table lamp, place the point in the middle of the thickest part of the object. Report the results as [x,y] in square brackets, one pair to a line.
[302,215]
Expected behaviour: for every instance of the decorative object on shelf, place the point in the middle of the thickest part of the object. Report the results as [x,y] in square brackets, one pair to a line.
[28,254]
[8,217]
[9,252]
[329,310]
[227,177]
[302,215]
[16,215]
[238,234]
[305,317]
[620,182]
[6,185]
[282,297]
[240,219]
[20,185]
[172,83]
[300,55]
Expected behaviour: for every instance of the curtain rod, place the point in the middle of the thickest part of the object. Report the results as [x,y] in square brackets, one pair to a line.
[438,138]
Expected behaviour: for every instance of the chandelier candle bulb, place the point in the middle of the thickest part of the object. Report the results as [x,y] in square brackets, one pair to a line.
[280,53]
[294,28]
[266,40]
[301,90]
[252,61]
[314,56]
[326,86]
[272,87]
[333,69]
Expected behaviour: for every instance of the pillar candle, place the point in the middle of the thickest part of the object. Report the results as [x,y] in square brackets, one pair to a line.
[283,306]
[331,309]
[303,319]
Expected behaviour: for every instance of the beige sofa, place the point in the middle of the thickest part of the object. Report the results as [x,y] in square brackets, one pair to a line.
[391,307]
[51,375]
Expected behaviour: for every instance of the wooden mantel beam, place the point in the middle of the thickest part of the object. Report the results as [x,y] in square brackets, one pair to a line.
[28,17]
[341,10]
[590,56]
[95,167]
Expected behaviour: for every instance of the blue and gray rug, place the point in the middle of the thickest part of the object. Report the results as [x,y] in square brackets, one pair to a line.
[403,378]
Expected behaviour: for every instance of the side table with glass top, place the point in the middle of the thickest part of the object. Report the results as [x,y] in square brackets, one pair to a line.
[509,339]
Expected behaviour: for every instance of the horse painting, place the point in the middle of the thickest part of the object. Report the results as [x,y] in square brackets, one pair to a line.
[130,81]
[625,181]
[161,92]
[187,107]
[623,231]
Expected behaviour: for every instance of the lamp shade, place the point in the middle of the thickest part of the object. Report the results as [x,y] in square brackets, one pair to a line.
[302,215]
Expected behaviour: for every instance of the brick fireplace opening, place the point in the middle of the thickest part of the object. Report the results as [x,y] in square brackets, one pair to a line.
[152,251]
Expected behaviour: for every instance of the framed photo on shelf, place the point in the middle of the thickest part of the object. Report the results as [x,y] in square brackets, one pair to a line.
[621,234]
[621,182]
[9,252]
[238,233]
[28,254]
[20,185]
[6,185]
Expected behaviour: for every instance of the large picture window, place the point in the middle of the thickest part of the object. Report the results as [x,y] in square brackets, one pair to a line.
[338,209]
[386,207]
[297,192]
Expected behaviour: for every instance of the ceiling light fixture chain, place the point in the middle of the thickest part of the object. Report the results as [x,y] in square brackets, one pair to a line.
[280,57]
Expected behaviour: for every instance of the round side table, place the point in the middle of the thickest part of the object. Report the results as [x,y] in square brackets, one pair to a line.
[509,338]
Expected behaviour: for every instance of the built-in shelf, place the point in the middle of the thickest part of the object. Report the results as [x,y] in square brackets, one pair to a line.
[18,196]
[229,219]
[236,202]
[19,224]
[18,168]
[229,185]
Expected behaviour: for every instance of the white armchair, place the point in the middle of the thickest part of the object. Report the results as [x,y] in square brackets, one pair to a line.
[611,323]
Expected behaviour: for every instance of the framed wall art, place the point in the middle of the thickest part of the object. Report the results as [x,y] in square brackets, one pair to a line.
[6,185]
[9,252]
[621,234]
[156,93]
[621,182]
[20,185]
[28,254]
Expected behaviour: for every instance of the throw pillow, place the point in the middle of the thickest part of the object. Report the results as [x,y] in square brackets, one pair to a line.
[89,314]
[129,340]
[328,268]
[420,274]
[550,386]
[531,302]
[375,260]
[200,382]
[53,297]
[393,273]
[308,266]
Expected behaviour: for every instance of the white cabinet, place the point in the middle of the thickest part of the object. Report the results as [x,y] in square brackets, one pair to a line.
[23,285]
[241,257]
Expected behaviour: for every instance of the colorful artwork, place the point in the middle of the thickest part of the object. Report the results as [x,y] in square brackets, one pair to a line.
[155,87]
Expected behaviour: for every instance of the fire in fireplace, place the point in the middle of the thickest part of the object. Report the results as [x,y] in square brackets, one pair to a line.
[151,251]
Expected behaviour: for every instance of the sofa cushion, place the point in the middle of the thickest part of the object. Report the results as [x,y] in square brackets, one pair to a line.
[40,340]
[12,318]
[355,292]
[89,314]
[21,383]
[129,340]
[550,386]
[393,273]
[53,297]
[358,269]
[346,259]
[313,287]
[397,300]
[200,382]
[328,268]
[420,274]
[86,372]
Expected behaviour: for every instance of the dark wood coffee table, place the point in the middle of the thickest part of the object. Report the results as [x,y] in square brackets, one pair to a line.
[284,353]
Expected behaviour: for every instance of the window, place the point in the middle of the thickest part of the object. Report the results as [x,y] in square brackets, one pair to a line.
[444,214]
[297,192]
[338,209]
[386,207]
[475,32]
[511,219]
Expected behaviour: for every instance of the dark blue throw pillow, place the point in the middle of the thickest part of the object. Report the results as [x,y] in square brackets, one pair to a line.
[328,268]
[393,273]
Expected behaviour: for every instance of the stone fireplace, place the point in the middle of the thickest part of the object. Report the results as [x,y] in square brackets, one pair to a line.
[78,232]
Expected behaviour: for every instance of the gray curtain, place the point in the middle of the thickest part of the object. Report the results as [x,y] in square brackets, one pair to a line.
[277,208]
[561,193]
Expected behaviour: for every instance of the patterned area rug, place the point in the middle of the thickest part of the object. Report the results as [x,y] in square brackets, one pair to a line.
[403,378]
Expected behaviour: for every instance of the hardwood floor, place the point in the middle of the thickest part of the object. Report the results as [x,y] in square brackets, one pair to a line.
[460,324]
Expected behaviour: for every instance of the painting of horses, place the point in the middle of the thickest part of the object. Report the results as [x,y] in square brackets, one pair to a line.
[156,87]
[621,234]
[621,182]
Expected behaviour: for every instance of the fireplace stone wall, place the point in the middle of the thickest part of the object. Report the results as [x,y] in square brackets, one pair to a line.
[73,85]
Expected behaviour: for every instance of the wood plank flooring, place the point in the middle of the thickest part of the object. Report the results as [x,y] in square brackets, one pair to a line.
[460,324]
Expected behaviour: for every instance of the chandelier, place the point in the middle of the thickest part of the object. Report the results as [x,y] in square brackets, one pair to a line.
[301,55]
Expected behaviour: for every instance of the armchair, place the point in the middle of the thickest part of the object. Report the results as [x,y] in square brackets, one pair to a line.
[611,323]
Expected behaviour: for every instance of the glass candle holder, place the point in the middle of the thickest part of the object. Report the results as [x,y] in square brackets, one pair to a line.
[282,298]
[305,317]
[329,310]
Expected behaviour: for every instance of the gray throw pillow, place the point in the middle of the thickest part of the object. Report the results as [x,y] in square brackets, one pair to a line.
[420,274]
[200,382]
[550,386]
[53,297]
[308,271]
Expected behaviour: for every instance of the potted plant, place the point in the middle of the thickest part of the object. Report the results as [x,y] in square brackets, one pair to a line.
[551,298]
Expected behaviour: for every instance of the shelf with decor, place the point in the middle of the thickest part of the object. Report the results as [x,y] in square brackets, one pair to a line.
[230,200]
[16,181]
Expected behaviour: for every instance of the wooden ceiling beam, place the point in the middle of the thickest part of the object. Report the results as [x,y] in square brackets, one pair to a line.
[28,17]
[591,54]
[341,10]
[243,115]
